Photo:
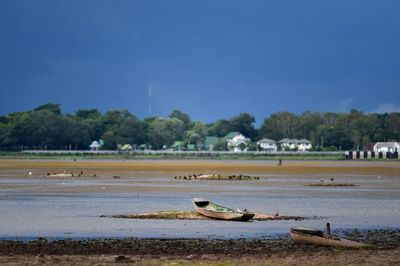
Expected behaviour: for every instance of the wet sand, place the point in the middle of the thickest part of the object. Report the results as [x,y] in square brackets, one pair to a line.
[300,257]
[386,251]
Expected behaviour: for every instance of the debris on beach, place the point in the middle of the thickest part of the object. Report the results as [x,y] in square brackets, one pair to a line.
[305,235]
[29,174]
[217,177]
[123,259]
[70,174]
[60,175]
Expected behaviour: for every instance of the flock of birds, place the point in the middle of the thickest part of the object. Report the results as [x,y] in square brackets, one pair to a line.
[332,179]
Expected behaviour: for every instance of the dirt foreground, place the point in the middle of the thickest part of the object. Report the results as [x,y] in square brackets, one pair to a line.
[386,251]
[323,257]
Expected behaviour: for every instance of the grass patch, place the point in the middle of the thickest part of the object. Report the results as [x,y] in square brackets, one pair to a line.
[71,155]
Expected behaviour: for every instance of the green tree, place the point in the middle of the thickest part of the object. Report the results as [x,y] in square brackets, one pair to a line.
[278,126]
[47,127]
[392,126]
[52,107]
[92,120]
[121,127]
[6,137]
[219,128]
[196,134]
[40,129]
[243,123]
[185,118]
[307,125]
[86,114]
[163,131]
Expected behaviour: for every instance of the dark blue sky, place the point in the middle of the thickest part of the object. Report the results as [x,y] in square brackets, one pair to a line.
[212,59]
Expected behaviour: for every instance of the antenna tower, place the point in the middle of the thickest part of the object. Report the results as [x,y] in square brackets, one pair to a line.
[150,93]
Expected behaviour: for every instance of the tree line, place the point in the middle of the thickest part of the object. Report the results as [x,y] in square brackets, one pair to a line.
[46,127]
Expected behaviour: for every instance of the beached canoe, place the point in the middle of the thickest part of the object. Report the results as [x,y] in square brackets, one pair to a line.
[304,235]
[212,210]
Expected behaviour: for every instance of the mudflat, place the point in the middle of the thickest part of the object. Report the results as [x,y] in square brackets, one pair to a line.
[386,251]
[376,182]
[301,257]
[331,257]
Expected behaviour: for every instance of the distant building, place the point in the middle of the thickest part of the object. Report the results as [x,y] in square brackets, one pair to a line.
[369,146]
[190,147]
[237,142]
[304,145]
[178,145]
[387,147]
[95,146]
[287,144]
[126,147]
[267,145]
[145,147]
[295,144]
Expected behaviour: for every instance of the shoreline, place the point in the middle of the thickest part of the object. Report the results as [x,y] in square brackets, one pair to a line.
[386,251]
[379,239]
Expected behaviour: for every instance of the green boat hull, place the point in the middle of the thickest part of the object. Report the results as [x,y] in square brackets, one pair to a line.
[215,211]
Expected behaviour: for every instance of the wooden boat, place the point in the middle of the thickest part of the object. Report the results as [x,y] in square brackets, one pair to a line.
[212,210]
[304,235]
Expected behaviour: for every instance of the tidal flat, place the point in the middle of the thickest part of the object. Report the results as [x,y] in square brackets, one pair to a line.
[34,205]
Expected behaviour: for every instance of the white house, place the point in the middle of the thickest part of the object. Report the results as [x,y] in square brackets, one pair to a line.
[95,146]
[287,144]
[237,142]
[267,145]
[387,147]
[304,145]
[292,144]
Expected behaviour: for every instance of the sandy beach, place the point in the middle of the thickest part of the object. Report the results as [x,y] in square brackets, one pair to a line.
[134,168]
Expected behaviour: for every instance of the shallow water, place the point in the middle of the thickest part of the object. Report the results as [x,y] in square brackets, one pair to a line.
[37,207]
